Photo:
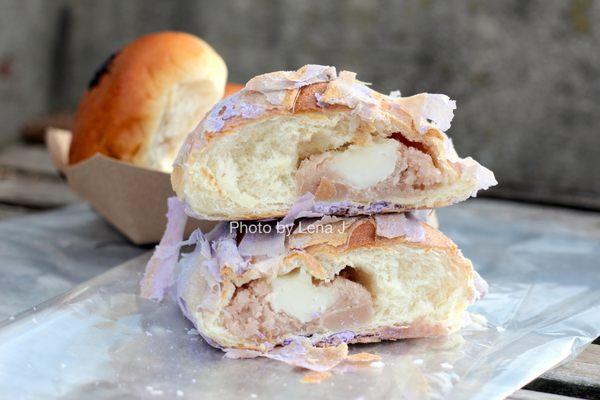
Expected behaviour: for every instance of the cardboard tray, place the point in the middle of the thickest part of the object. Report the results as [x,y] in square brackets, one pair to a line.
[132,199]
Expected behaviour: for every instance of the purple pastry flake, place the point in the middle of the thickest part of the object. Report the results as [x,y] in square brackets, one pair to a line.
[339,338]
[159,273]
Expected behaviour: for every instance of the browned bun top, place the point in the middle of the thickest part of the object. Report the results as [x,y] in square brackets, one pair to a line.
[137,89]
[232,88]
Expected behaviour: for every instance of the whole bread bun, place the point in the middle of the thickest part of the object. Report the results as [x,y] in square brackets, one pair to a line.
[146,98]
[290,133]
[348,279]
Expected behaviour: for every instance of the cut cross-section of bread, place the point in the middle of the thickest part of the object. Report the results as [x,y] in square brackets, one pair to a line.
[311,131]
[353,279]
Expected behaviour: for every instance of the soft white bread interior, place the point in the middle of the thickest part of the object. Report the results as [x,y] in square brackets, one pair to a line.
[341,280]
[358,151]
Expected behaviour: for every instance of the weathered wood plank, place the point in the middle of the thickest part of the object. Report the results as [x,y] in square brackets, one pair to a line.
[531,395]
[32,190]
[28,178]
[584,370]
[580,377]
[27,158]
[8,211]
[30,193]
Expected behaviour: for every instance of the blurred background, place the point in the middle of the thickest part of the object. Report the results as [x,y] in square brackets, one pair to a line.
[525,74]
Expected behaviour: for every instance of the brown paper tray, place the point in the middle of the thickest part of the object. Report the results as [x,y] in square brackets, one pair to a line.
[133,199]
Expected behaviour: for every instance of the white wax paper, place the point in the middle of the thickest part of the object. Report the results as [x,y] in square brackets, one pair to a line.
[101,340]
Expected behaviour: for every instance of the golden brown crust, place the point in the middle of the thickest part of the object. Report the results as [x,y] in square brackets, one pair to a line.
[304,100]
[361,233]
[232,88]
[326,190]
[119,111]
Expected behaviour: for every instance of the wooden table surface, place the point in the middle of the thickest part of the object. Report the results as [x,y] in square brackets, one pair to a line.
[29,183]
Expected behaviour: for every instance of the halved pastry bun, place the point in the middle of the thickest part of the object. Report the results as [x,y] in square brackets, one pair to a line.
[353,280]
[311,131]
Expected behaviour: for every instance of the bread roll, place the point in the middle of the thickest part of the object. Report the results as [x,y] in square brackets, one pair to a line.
[355,279]
[311,131]
[146,98]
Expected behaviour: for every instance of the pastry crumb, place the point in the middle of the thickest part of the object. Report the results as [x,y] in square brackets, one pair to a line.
[315,377]
[363,357]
